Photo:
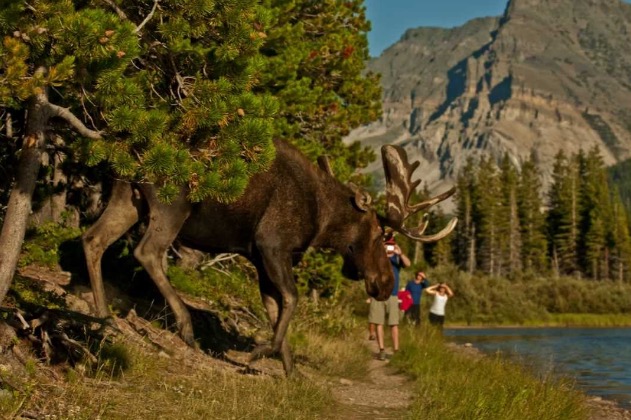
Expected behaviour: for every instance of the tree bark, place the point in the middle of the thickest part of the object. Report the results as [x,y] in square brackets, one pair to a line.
[20,200]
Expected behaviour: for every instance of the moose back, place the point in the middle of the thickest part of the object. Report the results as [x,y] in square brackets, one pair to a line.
[285,210]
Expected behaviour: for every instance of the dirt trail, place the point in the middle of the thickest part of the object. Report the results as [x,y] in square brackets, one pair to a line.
[385,394]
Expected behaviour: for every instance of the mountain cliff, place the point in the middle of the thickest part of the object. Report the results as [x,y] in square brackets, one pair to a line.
[548,75]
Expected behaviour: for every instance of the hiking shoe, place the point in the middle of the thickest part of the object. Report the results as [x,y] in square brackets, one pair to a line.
[381,355]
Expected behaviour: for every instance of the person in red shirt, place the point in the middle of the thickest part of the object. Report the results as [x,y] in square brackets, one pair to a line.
[405,299]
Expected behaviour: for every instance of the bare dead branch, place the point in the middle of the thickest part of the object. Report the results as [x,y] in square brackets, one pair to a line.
[149,16]
[9,125]
[66,114]
[118,11]
[25,325]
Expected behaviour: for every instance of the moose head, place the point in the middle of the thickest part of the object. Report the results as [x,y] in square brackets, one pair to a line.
[361,242]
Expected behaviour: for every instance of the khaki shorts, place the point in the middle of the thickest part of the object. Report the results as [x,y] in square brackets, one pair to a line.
[378,310]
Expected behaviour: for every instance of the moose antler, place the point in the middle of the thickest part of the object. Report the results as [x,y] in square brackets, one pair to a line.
[399,188]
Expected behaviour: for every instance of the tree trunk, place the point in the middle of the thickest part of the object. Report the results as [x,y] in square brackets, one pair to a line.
[19,206]
[471,257]
[54,208]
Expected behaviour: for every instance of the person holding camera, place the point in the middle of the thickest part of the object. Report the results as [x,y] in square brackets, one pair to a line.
[390,308]
[441,293]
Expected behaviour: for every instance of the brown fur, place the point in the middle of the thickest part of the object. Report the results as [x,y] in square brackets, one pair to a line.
[285,210]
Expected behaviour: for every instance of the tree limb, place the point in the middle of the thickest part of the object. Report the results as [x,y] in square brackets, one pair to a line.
[66,114]
[118,11]
[149,16]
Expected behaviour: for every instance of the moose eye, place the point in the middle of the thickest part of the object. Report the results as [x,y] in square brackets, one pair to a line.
[351,249]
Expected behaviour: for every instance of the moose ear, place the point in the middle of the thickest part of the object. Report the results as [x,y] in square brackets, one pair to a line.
[325,165]
[362,199]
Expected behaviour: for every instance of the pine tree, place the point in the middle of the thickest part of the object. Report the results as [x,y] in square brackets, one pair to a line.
[315,56]
[487,205]
[465,252]
[164,94]
[509,224]
[620,256]
[596,215]
[442,251]
[563,215]
[532,220]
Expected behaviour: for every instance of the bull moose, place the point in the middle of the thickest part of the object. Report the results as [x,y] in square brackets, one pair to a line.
[290,207]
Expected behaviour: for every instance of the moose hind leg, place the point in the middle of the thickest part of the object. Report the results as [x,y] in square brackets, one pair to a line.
[164,225]
[122,212]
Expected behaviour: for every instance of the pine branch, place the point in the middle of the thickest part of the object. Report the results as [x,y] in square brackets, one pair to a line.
[66,114]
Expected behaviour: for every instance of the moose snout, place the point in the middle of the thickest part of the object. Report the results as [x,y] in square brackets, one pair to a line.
[379,289]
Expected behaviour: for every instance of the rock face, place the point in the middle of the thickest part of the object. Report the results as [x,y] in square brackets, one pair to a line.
[547,75]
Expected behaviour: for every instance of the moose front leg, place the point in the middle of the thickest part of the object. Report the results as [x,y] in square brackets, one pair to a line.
[165,222]
[122,212]
[280,297]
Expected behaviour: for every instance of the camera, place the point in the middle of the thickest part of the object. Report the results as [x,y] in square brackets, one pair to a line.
[389,247]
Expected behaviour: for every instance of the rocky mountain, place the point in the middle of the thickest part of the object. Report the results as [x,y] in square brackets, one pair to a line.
[545,76]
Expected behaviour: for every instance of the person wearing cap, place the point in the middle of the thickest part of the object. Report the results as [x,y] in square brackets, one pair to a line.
[390,308]
[415,287]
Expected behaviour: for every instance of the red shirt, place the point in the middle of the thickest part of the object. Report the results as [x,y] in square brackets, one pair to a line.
[405,300]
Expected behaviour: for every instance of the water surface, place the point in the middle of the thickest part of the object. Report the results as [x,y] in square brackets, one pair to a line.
[599,358]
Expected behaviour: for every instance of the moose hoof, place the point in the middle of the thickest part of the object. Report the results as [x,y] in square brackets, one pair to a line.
[187,336]
[261,351]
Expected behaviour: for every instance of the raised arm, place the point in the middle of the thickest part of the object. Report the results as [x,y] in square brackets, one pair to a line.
[450,293]
[405,261]
[432,289]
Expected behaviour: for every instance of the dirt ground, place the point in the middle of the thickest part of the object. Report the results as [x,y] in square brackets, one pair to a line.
[385,394]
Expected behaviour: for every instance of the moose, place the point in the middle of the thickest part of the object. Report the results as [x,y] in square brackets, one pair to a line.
[290,207]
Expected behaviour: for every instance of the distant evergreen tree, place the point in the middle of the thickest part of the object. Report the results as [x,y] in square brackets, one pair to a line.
[596,216]
[532,218]
[563,215]
[620,256]
[509,228]
[464,242]
[620,175]
[487,211]
[442,251]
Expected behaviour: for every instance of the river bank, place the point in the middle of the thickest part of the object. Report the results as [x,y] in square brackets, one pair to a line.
[598,407]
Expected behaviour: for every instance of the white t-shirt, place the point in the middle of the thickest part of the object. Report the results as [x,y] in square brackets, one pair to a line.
[438,307]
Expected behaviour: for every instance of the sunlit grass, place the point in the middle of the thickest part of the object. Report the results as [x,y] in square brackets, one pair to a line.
[155,387]
[451,385]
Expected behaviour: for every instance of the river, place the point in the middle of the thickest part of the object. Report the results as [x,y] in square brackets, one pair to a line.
[598,358]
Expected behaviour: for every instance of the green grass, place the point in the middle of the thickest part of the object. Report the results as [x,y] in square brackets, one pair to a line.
[452,385]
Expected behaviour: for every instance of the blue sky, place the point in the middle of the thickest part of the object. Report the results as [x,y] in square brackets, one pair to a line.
[391,18]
